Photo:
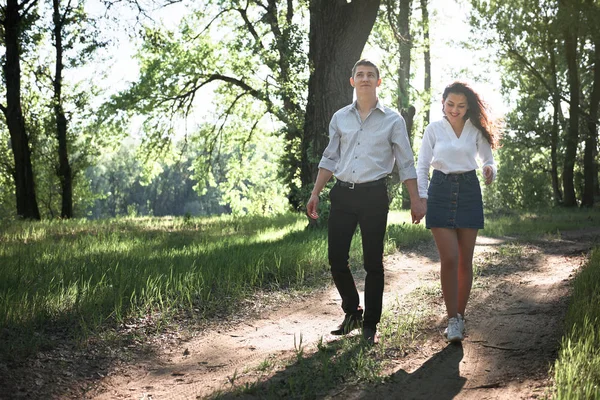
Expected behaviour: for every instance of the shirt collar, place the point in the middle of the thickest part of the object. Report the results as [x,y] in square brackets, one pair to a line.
[380,106]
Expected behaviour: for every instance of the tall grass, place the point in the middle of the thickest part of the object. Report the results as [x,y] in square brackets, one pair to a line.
[533,224]
[577,369]
[77,276]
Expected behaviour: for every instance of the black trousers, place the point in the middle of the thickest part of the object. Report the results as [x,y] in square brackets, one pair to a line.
[368,208]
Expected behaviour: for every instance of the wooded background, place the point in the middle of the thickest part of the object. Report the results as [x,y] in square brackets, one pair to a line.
[230,108]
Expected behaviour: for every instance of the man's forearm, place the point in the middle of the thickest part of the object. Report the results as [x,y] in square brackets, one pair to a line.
[323,177]
[413,191]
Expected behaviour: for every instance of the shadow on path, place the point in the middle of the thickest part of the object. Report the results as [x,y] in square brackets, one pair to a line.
[438,378]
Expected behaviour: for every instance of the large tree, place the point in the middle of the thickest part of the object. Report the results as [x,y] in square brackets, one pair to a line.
[547,51]
[15,18]
[592,15]
[569,12]
[395,32]
[338,32]
[73,48]
[64,166]
[266,63]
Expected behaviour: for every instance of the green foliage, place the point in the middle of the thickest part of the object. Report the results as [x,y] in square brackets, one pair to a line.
[253,62]
[530,36]
[122,185]
[522,181]
[81,42]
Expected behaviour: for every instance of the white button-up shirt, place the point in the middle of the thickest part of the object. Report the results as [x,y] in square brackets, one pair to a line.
[444,151]
[364,151]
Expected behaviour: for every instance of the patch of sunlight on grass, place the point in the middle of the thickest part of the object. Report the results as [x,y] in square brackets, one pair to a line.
[273,235]
[399,217]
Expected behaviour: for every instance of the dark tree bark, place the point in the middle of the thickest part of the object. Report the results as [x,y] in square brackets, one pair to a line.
[555,92]
[400,24]
[338,33]
[64,167]
[426,61]
[12,20]
[571,37]
[405,43]
[590,166]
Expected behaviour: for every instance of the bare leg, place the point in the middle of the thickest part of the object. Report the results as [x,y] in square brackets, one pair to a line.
[446,241]
[466,247]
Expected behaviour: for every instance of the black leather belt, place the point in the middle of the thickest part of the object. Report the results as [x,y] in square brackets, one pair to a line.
[352,185]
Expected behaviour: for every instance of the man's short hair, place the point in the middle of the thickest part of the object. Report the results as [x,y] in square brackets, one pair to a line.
[366,62]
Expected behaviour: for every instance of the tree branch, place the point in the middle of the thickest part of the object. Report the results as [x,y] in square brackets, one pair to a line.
[520,58]
[249,137]
[26,9]
[63,18]
[290,11]
[211,21]
[250,27]
[225,116]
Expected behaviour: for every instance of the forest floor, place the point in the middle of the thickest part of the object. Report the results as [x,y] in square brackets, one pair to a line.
[514,326]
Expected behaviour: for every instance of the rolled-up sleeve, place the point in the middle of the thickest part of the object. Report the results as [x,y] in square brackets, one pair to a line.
[485,154]
[403,154]
[331,155]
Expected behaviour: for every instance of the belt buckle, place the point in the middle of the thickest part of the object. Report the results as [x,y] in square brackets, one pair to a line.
[351,186]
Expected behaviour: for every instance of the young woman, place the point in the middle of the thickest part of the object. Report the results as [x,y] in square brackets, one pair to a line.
[453,146]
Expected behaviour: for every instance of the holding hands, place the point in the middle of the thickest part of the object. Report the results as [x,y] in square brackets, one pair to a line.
[418,209]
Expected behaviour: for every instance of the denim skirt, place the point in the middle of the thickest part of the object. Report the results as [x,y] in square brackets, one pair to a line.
[454,201]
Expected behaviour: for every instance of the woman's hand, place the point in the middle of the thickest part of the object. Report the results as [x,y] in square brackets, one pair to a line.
[418,209]
[488,174]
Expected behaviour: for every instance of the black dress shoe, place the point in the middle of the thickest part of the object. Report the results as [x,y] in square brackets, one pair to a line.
[350,323]
[369,335]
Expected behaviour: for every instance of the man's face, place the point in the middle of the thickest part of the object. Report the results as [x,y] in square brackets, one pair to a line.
[365,79]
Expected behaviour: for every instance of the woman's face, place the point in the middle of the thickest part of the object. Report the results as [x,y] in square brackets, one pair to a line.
[455,106]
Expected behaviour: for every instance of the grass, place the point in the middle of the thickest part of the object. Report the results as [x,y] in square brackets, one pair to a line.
[78,279]
[79,276]
[543,223]
[577,369]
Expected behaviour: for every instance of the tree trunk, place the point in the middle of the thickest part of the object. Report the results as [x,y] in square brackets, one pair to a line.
[27,206]
[405,45]
[404,39]
[590,171]
[570,36]
[426,62]
[64,167]
[555,128]
[338,33]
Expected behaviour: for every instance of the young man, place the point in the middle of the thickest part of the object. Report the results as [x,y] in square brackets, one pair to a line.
[365,140]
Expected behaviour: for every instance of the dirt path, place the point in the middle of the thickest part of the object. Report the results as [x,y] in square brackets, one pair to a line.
[513,330]
[514,326]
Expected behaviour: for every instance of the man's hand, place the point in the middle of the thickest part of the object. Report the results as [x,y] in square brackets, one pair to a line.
[488,174]
[418,209]
[312,206]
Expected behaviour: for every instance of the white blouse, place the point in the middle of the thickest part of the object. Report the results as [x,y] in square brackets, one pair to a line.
[444,151]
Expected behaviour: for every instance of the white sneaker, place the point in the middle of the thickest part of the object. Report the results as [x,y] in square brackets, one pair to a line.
[461,320]
[455,330]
